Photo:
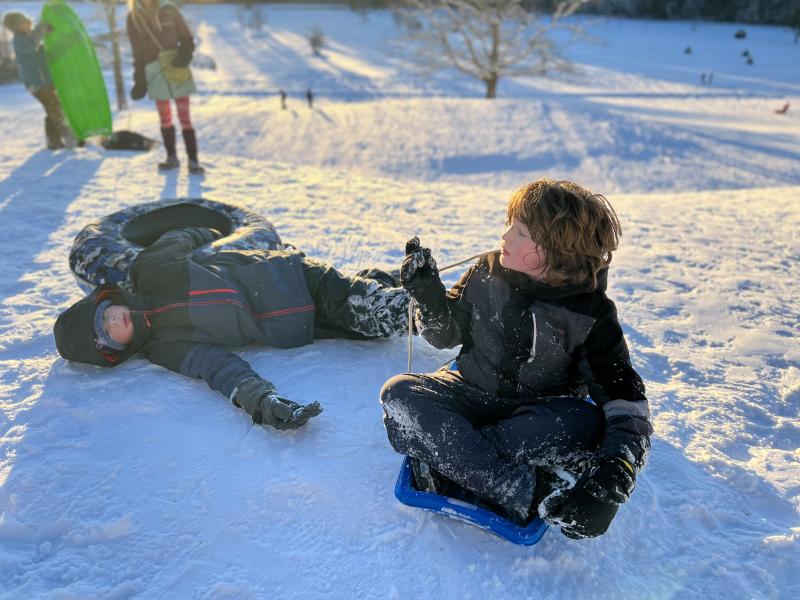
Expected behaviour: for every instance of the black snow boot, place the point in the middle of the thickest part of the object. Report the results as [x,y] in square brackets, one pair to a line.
[172,162]
[53,136]
[425,478]
[190,141]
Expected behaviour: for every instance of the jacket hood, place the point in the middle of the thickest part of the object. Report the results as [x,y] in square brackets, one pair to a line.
[542,290]
[74,330]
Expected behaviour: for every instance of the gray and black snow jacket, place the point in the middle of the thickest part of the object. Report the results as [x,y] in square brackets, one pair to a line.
[525,339]
[188,307]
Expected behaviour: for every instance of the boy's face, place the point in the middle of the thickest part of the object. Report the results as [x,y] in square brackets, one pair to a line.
[519,252]
[118,324]
[25,26]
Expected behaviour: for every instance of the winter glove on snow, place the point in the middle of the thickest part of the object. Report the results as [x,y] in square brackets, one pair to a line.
[261,401]
[588,508]
[420,277]
[138,90]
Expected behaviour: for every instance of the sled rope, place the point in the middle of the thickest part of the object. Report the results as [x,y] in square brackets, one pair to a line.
[412,304]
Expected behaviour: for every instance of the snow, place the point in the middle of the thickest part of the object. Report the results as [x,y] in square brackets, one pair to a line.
[135,482]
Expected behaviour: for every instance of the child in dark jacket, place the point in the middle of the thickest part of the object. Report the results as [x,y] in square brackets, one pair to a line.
[537,332]
[35,75]
[187,308]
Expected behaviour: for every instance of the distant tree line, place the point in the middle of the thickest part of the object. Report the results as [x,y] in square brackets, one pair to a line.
[779,12]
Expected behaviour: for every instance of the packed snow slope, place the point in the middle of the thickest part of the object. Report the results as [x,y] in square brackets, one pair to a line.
[136,482]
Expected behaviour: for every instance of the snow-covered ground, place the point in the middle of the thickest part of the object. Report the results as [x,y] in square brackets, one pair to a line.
[135,482]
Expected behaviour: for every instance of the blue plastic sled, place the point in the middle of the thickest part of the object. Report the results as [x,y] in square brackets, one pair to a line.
[457,508]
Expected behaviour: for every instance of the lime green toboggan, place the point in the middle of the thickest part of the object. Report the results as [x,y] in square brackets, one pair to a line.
[76,71]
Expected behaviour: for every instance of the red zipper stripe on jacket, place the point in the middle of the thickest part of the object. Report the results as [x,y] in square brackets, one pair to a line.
[217,291]
[167,307]
[267,315]
[285,311]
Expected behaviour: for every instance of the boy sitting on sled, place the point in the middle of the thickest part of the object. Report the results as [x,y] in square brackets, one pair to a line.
[537,332]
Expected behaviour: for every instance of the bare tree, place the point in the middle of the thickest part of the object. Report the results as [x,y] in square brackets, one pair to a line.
[110,12]
[489,39]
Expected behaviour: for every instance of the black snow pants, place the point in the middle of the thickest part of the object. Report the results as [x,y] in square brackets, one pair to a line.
[487,444]
[355,307]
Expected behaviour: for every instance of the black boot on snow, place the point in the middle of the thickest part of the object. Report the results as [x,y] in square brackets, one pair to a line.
[190,141]
[425,478]
[172,162]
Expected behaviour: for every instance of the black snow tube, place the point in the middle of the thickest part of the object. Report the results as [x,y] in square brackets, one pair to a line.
[104,252]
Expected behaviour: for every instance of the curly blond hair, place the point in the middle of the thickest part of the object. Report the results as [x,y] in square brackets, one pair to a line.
[577,229]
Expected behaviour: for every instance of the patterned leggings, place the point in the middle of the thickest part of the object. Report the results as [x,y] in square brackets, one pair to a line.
[165,114]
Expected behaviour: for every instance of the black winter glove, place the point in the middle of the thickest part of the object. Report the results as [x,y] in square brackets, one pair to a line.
[139,90]
[420,276]
[587,509]
[182,59]
[261,401]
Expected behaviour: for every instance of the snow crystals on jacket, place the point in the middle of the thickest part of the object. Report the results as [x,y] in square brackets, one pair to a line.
[525,339]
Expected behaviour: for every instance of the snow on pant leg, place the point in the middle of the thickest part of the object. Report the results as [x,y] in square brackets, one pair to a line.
[558,431]
[436,418]
[355,304]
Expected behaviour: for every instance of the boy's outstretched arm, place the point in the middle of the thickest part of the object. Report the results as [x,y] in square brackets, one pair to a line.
[442,317]
[235,379]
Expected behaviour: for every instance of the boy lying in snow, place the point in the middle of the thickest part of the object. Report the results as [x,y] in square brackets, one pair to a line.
[537,332]
[188,307]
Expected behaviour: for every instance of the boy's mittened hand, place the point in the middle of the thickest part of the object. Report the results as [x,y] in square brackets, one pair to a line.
[419,266]
[612,479]
[282,414]
[586,510]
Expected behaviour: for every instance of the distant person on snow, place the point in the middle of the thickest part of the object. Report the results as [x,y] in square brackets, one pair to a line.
[35,75]
[187,307]
[162,52]
[537,332]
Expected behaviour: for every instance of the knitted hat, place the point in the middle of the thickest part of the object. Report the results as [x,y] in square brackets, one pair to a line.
[101,335]
[12,20]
